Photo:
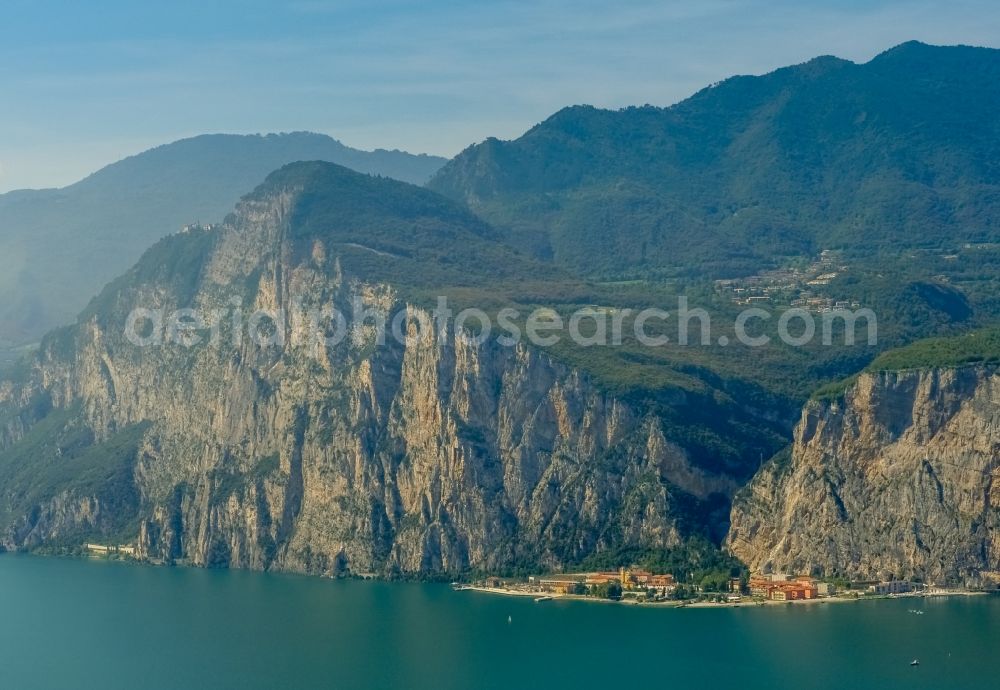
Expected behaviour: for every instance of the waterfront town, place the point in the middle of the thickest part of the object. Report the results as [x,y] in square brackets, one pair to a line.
[637,585]
[642,586]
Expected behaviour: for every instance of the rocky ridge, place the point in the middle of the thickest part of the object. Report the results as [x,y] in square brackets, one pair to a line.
[435,454]
[897,478]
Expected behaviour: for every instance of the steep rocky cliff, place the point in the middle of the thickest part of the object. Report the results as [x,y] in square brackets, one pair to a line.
[899,477]
[434,454]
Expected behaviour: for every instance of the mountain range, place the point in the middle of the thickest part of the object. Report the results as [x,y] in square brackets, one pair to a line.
[445,454]
[58,247]
[902,152]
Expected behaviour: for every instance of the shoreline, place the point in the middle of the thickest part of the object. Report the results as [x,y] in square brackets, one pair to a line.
[747,602]
[682,604]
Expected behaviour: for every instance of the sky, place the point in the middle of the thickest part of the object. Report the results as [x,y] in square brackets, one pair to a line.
[85,84]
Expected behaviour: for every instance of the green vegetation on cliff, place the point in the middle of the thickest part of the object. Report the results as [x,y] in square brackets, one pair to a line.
[696,562]
[873,160]
[970,348]
[59,458]
[977,347]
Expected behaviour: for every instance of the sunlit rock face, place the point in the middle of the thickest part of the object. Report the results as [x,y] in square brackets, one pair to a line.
[429,454]
[898,478]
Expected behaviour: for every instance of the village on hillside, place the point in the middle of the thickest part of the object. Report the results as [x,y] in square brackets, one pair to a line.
[798,287]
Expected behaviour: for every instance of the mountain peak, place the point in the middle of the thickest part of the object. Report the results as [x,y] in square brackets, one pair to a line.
[912,53]
[330,182]
[334,202]
[301,174]
[823,64]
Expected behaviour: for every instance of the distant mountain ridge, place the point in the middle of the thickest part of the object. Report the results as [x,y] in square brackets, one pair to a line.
[902,151]
[58,247]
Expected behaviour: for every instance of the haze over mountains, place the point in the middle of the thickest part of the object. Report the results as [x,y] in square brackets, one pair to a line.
[899,152]
[58,247]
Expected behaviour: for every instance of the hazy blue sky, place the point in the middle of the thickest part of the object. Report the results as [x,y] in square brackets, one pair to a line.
[86,83]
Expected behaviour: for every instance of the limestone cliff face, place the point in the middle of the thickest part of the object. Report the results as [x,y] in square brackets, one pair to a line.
[435,454]
[898,478]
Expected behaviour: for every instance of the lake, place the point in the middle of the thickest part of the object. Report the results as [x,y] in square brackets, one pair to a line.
[68,623]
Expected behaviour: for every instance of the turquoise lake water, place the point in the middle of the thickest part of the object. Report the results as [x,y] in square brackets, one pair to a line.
[92,624]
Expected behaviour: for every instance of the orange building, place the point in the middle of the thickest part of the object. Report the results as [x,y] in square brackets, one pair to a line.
[560,584]
[762,586]
[780,589]
[659,581]
[603,578]
[628,579]
[793,591]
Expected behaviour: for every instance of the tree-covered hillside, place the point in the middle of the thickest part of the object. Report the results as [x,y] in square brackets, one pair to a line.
[900,152]
[978,347]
